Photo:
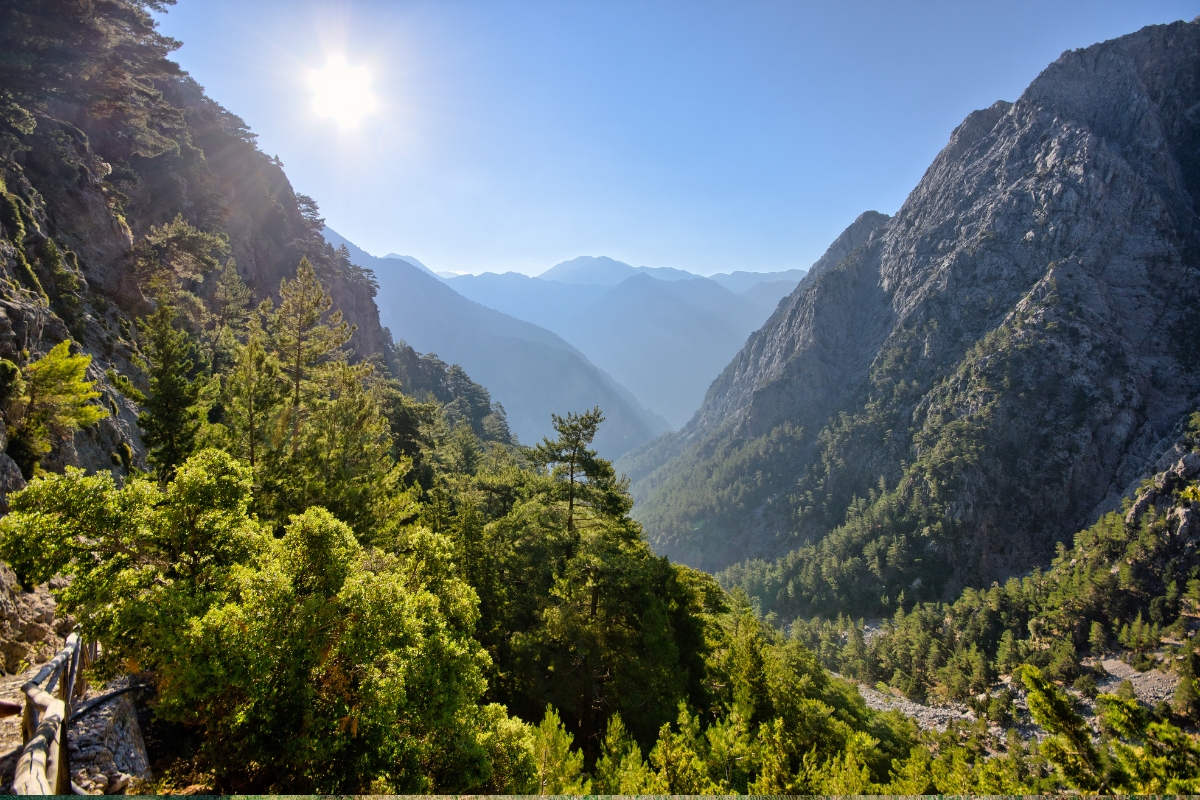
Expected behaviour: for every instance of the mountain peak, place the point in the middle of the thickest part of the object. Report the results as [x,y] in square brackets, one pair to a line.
[590,269]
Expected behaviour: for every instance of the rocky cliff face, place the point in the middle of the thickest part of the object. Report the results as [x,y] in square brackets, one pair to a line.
[76,196]
[988,370]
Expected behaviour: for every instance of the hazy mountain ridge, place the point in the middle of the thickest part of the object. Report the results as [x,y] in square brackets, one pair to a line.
[1005,355]
[606,271]
[531,371]
[663,334]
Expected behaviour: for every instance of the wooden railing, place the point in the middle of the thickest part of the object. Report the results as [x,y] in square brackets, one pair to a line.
[44,766]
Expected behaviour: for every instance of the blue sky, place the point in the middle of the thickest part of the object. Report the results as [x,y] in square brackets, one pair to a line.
[707,136]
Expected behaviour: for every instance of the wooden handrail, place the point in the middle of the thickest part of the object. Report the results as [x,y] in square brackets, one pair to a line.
[44,766]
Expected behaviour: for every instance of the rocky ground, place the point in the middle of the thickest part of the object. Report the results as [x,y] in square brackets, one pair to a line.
[108,755]
[1151,687]
[10,727]
[107,752]
[31,632]
[926,717]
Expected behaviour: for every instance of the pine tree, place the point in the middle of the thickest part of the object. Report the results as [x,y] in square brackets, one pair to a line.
[253,392]
[559,768]
[747,672]
[1186,702]
[171,417]
[582,476]
[303,338]
[226,317]
[46,402]
[173,257]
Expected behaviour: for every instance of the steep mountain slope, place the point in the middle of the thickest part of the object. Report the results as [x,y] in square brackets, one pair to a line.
[989,371]
[767,294]
[529,370]
[101,140]
[412,261]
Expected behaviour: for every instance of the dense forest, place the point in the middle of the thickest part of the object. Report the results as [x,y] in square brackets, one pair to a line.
[341,572]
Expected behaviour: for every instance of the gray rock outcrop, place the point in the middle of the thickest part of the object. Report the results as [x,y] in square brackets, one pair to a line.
[31,631]
[74,202]
[108,754]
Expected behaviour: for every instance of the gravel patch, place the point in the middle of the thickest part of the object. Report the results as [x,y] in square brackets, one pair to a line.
[926,717]
[108,755]
[1151,687]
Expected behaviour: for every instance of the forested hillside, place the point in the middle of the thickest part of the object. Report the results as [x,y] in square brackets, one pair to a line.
[993,368]
[116,168]
[338,572]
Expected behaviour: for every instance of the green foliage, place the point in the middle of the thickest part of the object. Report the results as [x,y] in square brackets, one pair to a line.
[177,254]
[124,385]
[171,417]
[65,282]
[107,61]
[252,397]
[225,316]
[697,508]
[1186,700]
[559,768]
[1070,743]
[427,379]
[620,768]
[677,757]
[13,214]
[349,578]
[46,402]
[582,478]
[301,337]
[1101,592]
[327,664]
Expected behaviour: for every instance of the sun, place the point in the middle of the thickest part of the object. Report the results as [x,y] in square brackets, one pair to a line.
[342,91]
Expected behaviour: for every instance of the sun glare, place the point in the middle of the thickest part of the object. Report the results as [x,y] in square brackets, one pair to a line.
[342,91]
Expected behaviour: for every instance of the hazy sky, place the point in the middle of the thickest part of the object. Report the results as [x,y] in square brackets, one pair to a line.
[705,136]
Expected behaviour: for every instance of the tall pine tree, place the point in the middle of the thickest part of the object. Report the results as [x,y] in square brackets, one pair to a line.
[225,319]
[254,390]
[303,338]
[581,477]
[171,417]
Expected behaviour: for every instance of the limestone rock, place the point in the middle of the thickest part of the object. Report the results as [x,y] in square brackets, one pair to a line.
[30,629]
[11,480]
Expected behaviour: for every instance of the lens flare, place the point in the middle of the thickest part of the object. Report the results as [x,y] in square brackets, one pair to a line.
[342,92]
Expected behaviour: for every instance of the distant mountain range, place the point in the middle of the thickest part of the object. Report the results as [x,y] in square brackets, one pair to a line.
[664,333]
[531,371]
[605,271]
